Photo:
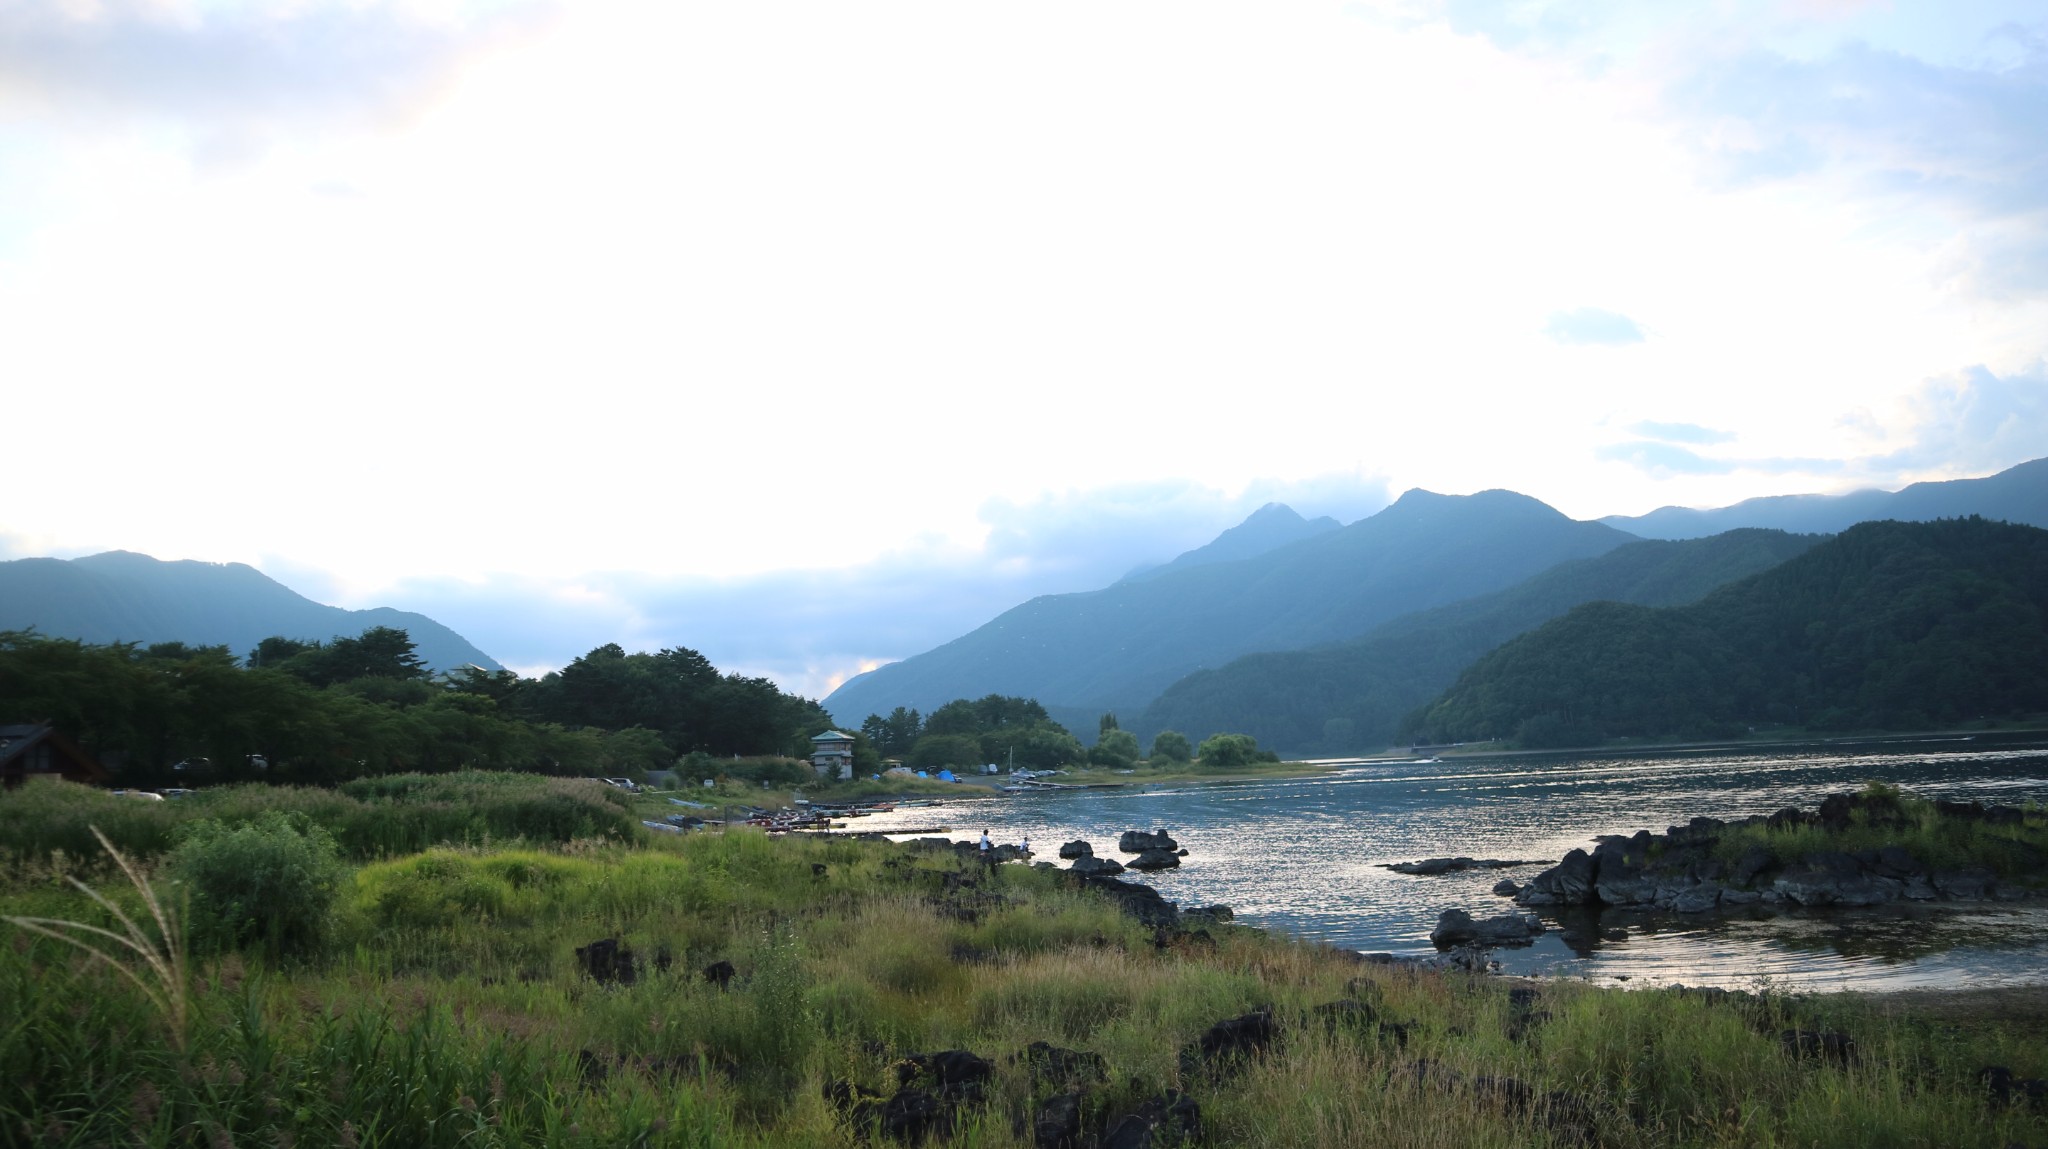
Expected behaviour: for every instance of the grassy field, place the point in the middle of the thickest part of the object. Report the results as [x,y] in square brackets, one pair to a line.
[437,999]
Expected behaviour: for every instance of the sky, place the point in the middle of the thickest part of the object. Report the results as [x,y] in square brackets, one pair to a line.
[810,334]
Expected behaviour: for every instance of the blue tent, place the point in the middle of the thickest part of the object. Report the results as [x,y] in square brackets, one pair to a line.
[947,776]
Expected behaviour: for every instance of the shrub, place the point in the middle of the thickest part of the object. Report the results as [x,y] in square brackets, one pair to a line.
[1172,746]
[271,880]
[1229,750]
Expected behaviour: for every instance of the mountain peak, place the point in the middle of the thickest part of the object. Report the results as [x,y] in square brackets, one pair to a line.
[1269,528]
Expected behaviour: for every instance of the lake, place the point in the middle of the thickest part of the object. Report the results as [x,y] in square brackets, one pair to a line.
[1303,855]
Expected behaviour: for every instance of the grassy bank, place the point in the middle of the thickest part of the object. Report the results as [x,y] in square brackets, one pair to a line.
[442,1002]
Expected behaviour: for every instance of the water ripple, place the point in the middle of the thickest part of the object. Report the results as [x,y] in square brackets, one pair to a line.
[1303,855]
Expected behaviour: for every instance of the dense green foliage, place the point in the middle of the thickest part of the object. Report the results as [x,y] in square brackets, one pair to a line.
[1116,748]
[1172,746]
[1351,697]
[1889,625]
[269,881]
[309,711]
[1120,646]
[1233,750]
[895,735]
[446,1009]
[996,728]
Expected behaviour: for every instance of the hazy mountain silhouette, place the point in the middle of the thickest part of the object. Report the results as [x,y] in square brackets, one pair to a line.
[1269,528]
[1117,648]
[2016,495]
[1351,697]
[121,596]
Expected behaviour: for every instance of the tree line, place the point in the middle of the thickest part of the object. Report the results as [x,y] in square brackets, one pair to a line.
[310,711]
[1018,732]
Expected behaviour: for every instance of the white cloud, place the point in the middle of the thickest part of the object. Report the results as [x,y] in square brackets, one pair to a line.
[1005,292]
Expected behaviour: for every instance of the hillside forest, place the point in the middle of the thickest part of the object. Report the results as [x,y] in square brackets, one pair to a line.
[1889,625]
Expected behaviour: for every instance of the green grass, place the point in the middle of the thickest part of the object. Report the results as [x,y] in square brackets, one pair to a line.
[446,1009]
[2013,851]
[368,818]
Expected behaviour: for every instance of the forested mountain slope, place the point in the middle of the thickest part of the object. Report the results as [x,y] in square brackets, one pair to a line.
[1117,648]
[2016,495]
[1351,697]
[1889,625]
[121,596]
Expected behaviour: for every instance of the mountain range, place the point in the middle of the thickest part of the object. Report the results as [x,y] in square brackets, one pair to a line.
[2015,495]
[1317,639]
[120,596]
[1119,647]
[1340,699]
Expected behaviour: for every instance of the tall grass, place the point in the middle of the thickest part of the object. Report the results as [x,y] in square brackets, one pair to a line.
[369,818]
[448,1009]
[1941,842]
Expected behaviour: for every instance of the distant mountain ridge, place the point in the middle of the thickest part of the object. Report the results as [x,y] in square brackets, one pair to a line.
[2016,495]
[121,596]
[1117,648]
[1351,697]
[1267,529]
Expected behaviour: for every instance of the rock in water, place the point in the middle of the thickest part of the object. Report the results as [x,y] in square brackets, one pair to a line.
[1155,860]
[1138,841]
[1457,928]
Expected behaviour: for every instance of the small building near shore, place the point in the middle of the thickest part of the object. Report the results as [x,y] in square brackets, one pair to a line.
[832,755]
[39,750]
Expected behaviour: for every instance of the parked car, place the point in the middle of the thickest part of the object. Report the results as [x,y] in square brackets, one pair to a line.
[626,784]
[145,795]
[176,791]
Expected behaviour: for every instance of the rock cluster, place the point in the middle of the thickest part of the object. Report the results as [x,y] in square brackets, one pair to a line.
[1684,869]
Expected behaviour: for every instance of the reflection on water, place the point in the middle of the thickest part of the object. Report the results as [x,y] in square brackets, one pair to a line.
[1303,855]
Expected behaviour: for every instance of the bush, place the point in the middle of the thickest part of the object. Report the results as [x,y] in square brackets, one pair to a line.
[271,880]
[1118,748]
[1229,750]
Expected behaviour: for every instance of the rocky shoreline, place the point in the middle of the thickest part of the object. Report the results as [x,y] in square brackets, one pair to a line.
[1767,861]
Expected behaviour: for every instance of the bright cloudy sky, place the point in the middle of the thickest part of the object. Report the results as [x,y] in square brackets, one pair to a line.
[811,334]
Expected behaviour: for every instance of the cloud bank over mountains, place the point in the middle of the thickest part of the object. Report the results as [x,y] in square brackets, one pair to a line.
[831,330]
[810,629]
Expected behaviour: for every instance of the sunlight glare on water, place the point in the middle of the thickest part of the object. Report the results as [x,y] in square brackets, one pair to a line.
[1303,855]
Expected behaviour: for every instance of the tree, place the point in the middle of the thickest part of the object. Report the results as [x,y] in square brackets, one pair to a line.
[1105,724]
[1172,746]
[937,751]
[379,652]
[895,735]
[277,650]
[1118,749]
[1229,750]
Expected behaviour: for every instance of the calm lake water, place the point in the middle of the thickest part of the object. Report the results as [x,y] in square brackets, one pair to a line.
[1303,856]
